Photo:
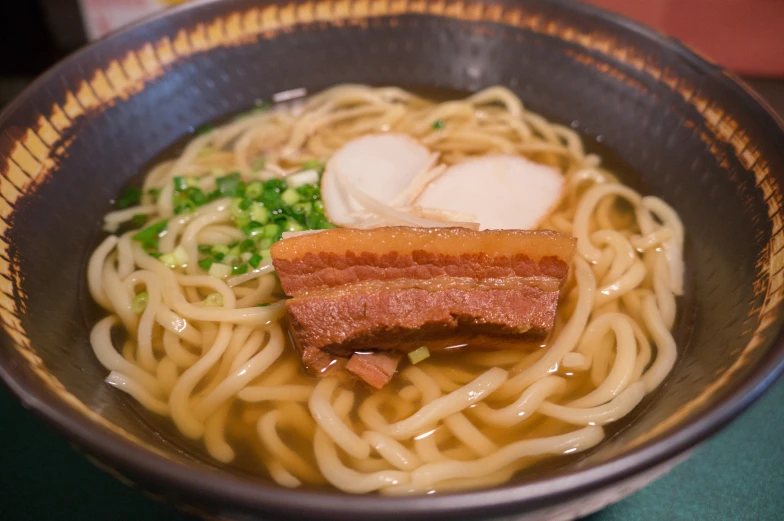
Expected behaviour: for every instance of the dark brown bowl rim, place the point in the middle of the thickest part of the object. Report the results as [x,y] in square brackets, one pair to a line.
[211,487]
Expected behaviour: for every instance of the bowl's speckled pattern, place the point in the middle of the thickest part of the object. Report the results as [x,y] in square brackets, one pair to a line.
[700,140]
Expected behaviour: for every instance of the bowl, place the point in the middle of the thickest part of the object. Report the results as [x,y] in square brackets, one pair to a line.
[699,137]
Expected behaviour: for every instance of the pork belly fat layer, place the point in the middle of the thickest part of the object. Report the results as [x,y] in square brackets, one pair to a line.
[342,256]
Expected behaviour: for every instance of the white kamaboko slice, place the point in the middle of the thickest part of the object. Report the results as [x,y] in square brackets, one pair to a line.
[380,166]
[503,192]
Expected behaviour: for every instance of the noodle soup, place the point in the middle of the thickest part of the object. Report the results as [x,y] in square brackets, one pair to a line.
[187,274]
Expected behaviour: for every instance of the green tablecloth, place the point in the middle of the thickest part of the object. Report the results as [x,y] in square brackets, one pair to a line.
[737,475]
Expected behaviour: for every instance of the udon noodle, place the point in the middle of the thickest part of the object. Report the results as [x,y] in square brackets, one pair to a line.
[227,375]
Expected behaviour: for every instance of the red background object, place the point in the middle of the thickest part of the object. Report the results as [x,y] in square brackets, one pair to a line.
[746,36]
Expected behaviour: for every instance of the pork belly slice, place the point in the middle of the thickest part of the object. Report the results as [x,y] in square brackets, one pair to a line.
[343,256]
[347,320]
[396,288]
[376,368]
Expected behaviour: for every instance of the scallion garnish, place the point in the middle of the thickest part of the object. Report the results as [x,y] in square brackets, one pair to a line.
[418,355]
[214,300]
[314,164]
[140,302]
[290,196]
[138,220]
[230,185]
[152,232]
[239,269]
[247,245]
[258,164]
[130,196]
[255,260]
[438,124]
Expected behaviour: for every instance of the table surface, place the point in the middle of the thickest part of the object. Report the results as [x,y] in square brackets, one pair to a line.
[737,475]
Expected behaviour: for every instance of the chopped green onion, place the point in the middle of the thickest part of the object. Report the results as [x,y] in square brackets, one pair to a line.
[154,193]
[130,196]
[265,243]
[276,185]
[249,226]
[229,259]
[236,210]
[309,192]
[196,195]
[204,152]
[206,263]
[293,226]
[314,164]
[418,355]
[240,269]
[230,185]
[214,300]
[257,165]
[438,124]
[263,304]
[140,302]
[290,196]
[139,219]
[180,255]
[180,183]
[169,260]
[242,222]
[205,248]
[254,189]
[302,208]
[259,214]
[152,232]
[271,230]
[247,245]
[255,260]
[220,249]
[235,250]
[219,270]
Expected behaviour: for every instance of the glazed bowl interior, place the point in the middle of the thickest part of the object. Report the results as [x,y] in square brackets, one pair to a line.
[680,127]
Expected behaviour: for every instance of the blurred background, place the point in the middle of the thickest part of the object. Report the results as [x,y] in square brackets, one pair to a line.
[746,36]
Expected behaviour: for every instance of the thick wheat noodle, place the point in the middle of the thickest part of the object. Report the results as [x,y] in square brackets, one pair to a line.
[431,473]
[392,451]
[290,460]
[239,377]
[139,392]
[325,416]
[437,426]
[281,393]
[214,435]
[166,375]
[180,396]
[524,407]
[447,405]
[611,411]
[622,370]
[469,435]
